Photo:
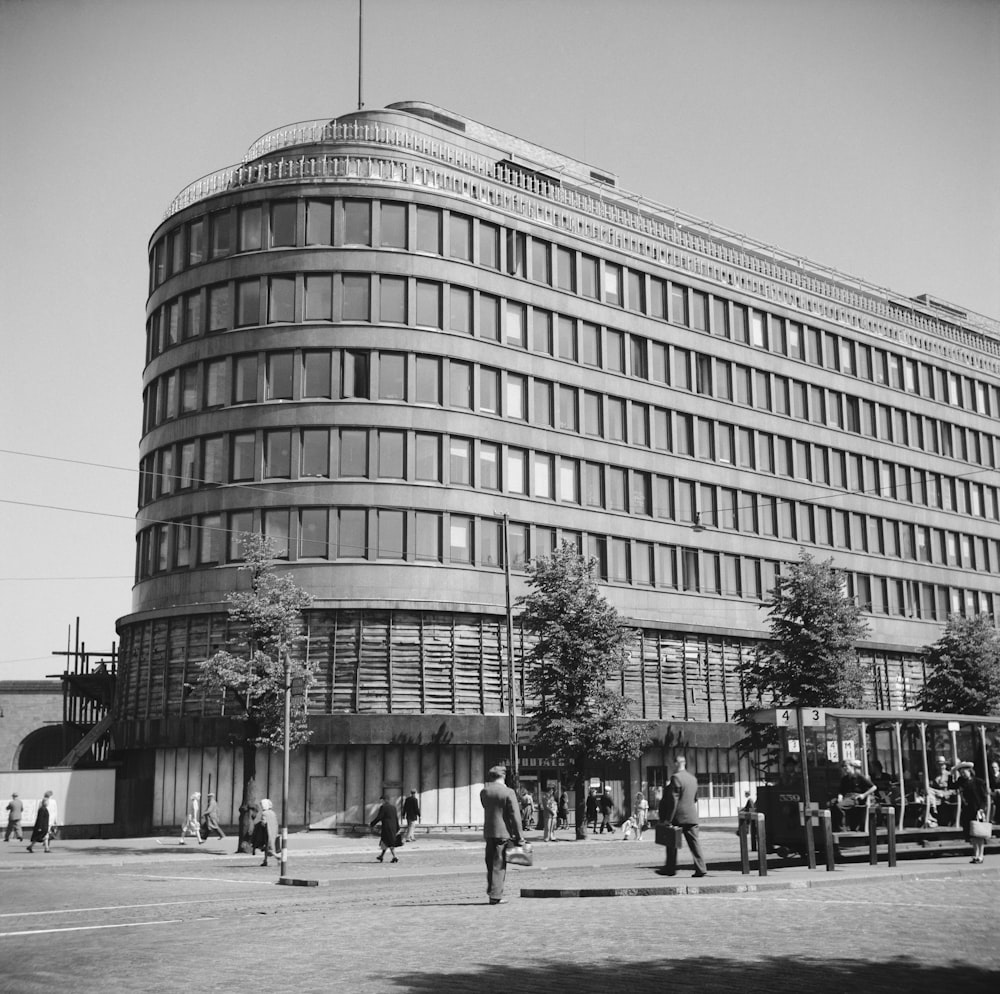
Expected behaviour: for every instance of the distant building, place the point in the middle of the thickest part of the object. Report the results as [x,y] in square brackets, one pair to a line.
[377,335]
[32,736]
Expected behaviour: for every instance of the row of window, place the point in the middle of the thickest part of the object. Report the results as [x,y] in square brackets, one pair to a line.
[389,225]
[394,534]
[368,374]
[388,454]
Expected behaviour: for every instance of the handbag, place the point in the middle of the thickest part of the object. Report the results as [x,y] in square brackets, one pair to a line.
[521,855]
[399,838]
[980,828]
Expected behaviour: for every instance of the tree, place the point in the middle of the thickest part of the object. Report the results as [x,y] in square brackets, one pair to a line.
[580,644]
[964,668]
[252,670]
[810,659]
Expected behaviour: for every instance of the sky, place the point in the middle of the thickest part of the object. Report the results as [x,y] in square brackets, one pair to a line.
[860,134]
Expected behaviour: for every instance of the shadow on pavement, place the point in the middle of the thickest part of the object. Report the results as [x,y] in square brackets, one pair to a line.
[709,975]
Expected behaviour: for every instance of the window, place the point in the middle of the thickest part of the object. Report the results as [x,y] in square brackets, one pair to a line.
[489,390]
[245,379]
[515,325]
[428,380]
[541,331]
[315,455]
[616,419]
[391,537]
[210,547]
[392,233]
[543,475]
[567,338]
[489,317]
[592,419]
[699,311]
[615,344]
[221,234]
[189,389]
[248,302]
[352,540]
[316,374]
[355,379]
[613,284]
[489,245]
[278,454]
[241,458]
[590,338]
[428,536]
[543,412]
[283,216]
[357,222]
[640,367]
[588,276]
[460,237]
[428,304]
[353,452]
[391,455]
[617,492]
[636,285]
[460,384]
[569,480]
[490,542]
[541,261]
[516,481]
[277,529]
[215,383]
[279,376]
[313,533]
[569,413]
[593,480]
[460,461]
[392,300]
[429,230]
[319,222]
[250,229]
[211,460]
[460,310]
[392,376]
[319,298]
[640,424]
[489,466]
[428,457]
[565,269]
[357,298]
[193,326]
[460,539]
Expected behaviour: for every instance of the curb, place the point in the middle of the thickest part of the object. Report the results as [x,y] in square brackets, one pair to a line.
[744,887]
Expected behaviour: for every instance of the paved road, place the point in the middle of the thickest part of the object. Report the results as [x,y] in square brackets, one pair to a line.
[121,918]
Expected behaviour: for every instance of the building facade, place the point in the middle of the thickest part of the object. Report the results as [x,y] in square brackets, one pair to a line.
[378,335]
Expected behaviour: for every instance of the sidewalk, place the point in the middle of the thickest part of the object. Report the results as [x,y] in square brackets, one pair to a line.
[600,866]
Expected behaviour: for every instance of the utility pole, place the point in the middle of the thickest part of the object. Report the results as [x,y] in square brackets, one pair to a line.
[510,656]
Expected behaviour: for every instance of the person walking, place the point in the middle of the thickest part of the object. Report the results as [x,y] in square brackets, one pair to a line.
[592,810]
[388,818]
[640,813]
[54,821]
[192,819]
[15,809]
[212,817]
[607,806]
[680,807]
[411,812]
[501,823]
[563,818]
[269,830]
[40,831]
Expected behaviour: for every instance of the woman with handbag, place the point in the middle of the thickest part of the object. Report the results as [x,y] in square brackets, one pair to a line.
[388,818]
[975,803]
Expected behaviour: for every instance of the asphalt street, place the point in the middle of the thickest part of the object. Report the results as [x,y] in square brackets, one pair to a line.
[149,915]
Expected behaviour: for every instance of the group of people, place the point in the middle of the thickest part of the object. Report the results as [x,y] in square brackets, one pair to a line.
[46,821]
[603,804]
[198,822]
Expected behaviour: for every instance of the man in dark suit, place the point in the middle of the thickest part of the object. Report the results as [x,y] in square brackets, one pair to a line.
[680,807]
[501,822]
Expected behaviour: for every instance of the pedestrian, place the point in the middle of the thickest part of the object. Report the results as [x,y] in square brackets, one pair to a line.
[640,812]
[269,830]
[15,808]
[549,812]
[501,824]
[975,805]
[388,818]
[563,821]
[54,821]
[40,831]
[607,806]
[592,810]
[680,807]
[192,819]
[411,812]
[851,805]
[527,806]
[212,817]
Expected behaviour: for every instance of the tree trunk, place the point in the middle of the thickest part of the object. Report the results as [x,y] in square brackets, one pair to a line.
[580,791]
[250,805]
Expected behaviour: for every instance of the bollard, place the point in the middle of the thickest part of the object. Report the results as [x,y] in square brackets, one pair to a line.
[673,842]
[889,813]
[872,838]
[826,832]
[761,845]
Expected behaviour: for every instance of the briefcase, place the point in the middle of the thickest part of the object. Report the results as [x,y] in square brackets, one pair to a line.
[519,855]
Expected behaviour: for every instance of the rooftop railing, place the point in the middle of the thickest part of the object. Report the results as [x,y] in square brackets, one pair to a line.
[721,254]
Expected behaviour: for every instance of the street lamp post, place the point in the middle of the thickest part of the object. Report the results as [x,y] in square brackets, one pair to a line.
[283,860]
[510,656]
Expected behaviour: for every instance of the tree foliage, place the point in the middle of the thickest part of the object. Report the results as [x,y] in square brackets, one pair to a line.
[964,667]
[581,644]
[811,658]
[251,671]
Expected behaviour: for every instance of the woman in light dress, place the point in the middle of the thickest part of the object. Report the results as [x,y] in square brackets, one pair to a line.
[192,820]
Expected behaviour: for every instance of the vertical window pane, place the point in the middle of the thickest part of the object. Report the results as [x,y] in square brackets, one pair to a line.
[429,230]
[357,298]
[316,378]
[460,461]
[248,302]
[319,298]
[313,533]
[315,459]
[489,390]
[489,245]
[460,539]
[565,270]
[319,223]
[278,454]
[428,380]
[460,384]
[428,536]
[460,237]
[391,455]
[391,539]
[392,299]
[276,528]
[279,376]
[428,304]
[392,376]
[281,299]
[489,317]
[250,225]
[516,471]
[353,453]
[283,223]
[460,311]
[489,466]
[353,534]
[393,226]
[357,222]
[514,324]
[428,457]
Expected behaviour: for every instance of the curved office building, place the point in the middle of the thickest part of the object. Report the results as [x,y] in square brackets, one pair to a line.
[380,334]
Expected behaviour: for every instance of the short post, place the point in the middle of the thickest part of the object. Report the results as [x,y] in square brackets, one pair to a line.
[889,813]
[743,831]
[761,845]
[826,831]
[872,838]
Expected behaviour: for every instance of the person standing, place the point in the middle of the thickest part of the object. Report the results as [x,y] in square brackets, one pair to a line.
[680,807]
[563,821]
[640,812]
[269,830]
[592,810]
[212,817]
[411,812]
[550,812]
[501,823]
[607,806]
[40,831]
[192,819]
[388,818]
[15,809]
[975,803]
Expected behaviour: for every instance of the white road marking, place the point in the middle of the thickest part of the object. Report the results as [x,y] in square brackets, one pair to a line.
[211,880]
[88,928]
